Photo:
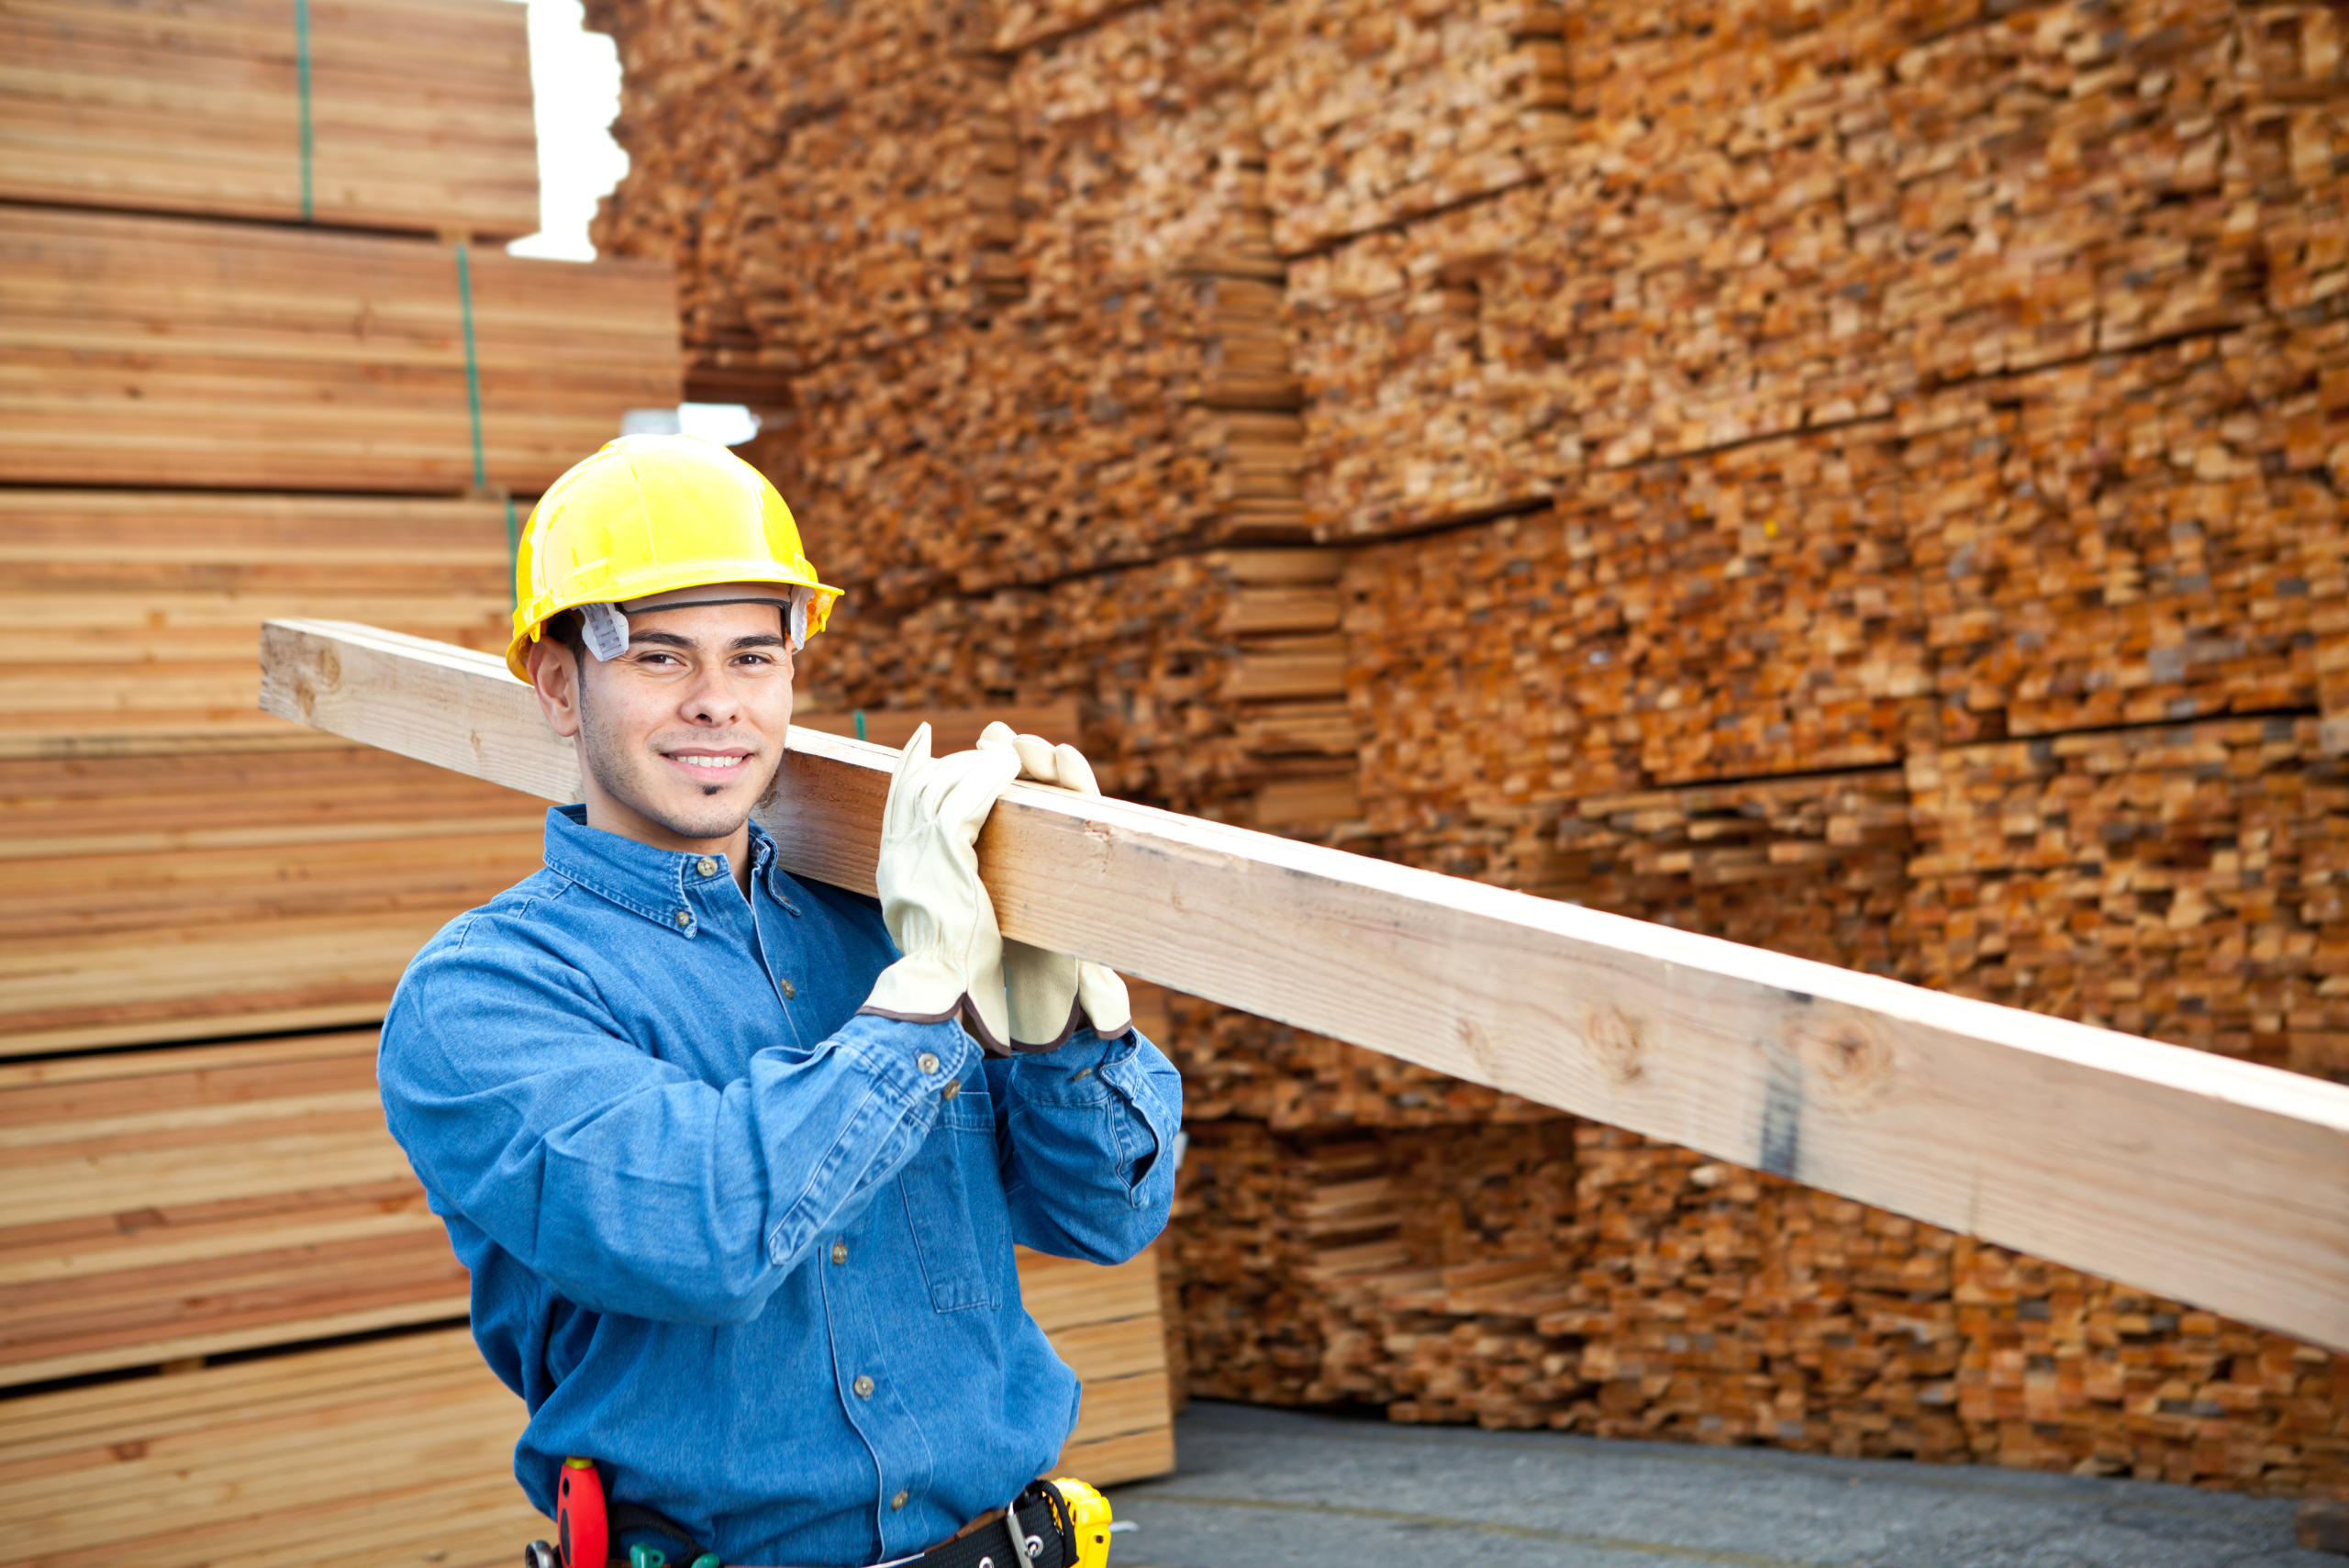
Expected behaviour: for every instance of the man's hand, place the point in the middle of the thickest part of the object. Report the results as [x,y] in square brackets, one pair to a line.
[1051,992]
[937,910]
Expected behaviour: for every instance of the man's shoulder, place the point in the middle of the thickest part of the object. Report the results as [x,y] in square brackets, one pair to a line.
[538,902]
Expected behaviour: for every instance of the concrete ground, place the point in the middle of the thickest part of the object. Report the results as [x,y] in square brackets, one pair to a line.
[1285,1490]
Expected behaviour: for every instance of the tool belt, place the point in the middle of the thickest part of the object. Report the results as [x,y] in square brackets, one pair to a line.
[1034,1532]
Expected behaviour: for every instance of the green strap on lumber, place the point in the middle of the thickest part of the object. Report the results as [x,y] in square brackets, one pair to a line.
[302,90]
[472,363]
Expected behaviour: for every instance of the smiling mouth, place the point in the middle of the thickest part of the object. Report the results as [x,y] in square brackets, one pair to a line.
[711,769]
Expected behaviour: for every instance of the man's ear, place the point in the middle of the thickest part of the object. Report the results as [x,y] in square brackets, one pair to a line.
[554,676]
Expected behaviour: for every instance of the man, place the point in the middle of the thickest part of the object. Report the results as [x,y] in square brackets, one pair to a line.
[737,1162]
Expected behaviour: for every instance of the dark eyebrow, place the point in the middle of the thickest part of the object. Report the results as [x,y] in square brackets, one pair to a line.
[671,639]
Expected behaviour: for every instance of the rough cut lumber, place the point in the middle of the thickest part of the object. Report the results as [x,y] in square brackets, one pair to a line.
[1577,1277]
[193,896]
[173,352]
[134,612]
[1761,223]
[418,112]
[1210,684]
[2165,1167]
[162,1204]
[397,1450]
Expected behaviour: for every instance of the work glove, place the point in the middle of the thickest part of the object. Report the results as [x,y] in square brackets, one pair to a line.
[1050,993]
[936,907]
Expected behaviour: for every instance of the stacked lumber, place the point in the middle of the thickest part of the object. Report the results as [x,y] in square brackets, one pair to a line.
[2182,882]
[1761,224]
[1211,683]
[162,1204]
[1579,1278]
[1379,113]
[203,894]
[1742,614]
[2129,538]
[1105,1323]
[389,1451]
[155,601]
[367,113]
[176,352]
[1016,314]
[179,865]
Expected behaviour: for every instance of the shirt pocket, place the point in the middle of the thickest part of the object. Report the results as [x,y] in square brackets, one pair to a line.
[954,1205]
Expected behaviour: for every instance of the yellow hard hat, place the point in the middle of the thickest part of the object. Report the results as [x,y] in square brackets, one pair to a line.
[646,515]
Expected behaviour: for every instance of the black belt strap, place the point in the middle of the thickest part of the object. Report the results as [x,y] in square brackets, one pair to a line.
[1045,1536]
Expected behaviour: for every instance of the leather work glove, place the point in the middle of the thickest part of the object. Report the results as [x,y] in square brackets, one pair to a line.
[936,907]
[1051,992]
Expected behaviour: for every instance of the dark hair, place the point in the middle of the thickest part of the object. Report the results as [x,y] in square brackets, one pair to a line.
[569,627]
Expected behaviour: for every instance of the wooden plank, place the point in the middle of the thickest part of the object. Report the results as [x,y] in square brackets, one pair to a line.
[173,352]
[421,112]
[2213,1181]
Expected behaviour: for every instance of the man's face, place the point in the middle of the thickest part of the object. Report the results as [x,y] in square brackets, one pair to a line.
[681,735]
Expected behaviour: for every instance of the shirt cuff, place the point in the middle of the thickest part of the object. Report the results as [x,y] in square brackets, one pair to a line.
[912,1061]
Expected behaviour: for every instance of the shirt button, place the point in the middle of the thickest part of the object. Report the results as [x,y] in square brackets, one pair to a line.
[951,1090]
[898,1501]
[840,1252]
[864,1386]
[684,918]
[789,990]
[706,866]
[925,1061]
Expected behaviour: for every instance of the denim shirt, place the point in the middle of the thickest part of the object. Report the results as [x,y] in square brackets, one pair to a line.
[746,1248]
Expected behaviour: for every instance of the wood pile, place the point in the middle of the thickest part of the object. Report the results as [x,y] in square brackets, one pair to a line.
[167,1204]
[1379,113]
[1579,1278]
[1762,224]
[1857,479]
[2182,881]
[203,894]
[176,352]
[1020,309]
[156,600]
[387,1450]
[1211,683]
[367,113]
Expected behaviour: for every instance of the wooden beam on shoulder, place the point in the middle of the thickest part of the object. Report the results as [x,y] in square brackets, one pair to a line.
[2213,1181]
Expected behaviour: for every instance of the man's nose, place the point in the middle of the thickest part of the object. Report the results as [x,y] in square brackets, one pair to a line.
[713,700]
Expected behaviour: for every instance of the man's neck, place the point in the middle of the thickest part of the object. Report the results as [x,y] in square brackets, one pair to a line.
[608,815]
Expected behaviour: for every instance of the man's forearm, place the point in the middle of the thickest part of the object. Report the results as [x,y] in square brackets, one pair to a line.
[1091,1130]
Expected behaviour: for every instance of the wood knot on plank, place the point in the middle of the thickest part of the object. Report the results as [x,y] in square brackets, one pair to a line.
[1618,1042]
[1847,1063]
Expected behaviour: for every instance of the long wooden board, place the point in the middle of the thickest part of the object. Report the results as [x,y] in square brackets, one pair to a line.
[419,112]
[171,352]
[2213,1181]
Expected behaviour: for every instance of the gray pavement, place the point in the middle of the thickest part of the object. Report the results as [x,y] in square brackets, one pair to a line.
[1277,1489]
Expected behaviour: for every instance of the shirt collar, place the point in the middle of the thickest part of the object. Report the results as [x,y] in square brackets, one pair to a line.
[642,880]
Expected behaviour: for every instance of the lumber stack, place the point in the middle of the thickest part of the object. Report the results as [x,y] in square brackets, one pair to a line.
[1862,480]
[1019,294]
[178,353]
[366,114]
[1214,684]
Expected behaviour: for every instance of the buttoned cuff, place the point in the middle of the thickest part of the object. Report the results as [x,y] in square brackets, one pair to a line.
[911,1060]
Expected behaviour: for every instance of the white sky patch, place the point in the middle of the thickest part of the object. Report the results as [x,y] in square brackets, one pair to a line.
[576,78]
